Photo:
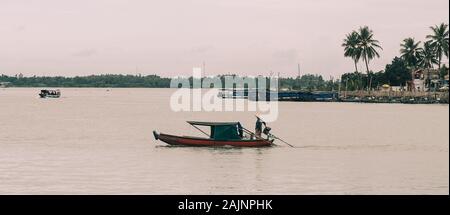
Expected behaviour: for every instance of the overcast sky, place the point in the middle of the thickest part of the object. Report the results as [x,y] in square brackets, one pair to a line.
[169,37]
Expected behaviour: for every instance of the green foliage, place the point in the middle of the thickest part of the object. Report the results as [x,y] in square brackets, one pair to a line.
[308,82]
[359,44]
[150,81]
[368,45]
[354,81]
[396,73]
[443,71]
[352,48]
[440,40]
[411,52]
[427,56]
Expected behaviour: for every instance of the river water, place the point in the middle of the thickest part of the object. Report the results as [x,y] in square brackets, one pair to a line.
[99,141]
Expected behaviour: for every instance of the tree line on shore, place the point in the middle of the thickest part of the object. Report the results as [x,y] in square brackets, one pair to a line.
[307,82]
[361,44]
[108,80]
[394,74]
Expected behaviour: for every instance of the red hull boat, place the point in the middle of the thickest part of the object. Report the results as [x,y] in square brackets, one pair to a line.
[198,141]
[222,134]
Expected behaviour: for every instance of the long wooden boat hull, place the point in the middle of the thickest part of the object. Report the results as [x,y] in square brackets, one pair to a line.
[49,96]
[197,141]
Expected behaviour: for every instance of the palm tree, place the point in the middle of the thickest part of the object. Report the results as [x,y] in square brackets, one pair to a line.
[410,51]
[351,47]
[368,45]
[439,39]
[427,58]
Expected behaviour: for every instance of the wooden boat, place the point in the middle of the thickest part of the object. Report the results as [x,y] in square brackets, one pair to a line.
[222,134]
[50,94]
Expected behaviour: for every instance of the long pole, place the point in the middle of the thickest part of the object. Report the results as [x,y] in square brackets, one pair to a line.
[281,140]
[275,136]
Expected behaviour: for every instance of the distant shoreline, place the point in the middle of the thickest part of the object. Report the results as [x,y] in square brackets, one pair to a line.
[31,86]
[374,97]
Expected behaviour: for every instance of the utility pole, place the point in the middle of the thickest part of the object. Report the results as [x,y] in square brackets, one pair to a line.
[204,69]
[339,87]
[332,83]
[298,81]
[346,85]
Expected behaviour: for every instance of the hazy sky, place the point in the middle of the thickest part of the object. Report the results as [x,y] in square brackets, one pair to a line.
[169,37]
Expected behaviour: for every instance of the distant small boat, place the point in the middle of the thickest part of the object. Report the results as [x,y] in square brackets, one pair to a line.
[50,94]
[222,134]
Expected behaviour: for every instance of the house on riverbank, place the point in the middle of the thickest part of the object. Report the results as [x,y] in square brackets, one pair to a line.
[425,80]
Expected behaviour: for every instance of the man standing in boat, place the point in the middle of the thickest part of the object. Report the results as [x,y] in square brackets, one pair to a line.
[258,126]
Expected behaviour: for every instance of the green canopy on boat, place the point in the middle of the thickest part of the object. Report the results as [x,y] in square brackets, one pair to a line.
[222,130]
